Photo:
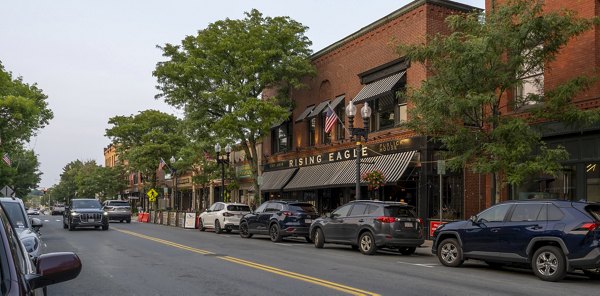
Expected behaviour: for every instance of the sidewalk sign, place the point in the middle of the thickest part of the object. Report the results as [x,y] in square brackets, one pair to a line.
[190,220]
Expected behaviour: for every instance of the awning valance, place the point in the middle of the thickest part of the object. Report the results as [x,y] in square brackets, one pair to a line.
[343,173]
[378,87]
[275,180]
[305,113]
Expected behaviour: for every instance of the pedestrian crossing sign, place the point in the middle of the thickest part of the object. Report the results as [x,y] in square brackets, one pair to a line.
[152,194]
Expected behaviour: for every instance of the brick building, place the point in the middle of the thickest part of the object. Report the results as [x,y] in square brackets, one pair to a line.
[303,162]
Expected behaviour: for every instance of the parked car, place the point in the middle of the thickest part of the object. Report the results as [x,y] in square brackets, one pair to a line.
[58,209]
[85,213]
[27,228]
[19,275]
[367,225]
[279,219]
[223,216]
[118,210]
[550,236]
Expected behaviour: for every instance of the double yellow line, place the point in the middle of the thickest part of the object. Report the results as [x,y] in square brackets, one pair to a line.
[282,272]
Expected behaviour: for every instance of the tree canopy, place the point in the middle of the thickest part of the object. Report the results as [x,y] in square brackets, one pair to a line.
[469,103]
[219,77]
[86,179]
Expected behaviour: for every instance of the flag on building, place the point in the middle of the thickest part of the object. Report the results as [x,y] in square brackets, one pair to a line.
[6,159]
[330,119]
[161,164]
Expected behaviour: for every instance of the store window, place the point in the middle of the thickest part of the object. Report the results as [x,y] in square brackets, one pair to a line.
[561,186]
[312,128]
[592,176]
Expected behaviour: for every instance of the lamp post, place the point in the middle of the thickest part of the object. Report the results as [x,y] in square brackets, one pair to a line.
[223,162]
[360,133]
[172,160]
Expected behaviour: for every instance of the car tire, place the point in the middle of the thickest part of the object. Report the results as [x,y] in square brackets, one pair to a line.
[548,264]
[218,227]
[407,250]
[366,243]
[593,274]
[244,232]
[319,239]
[105,227]
[201,225]
[275,233]
[449,253]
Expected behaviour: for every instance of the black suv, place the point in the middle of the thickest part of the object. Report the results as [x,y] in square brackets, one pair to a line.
[551,236]
[367,225]
[279,219]
[85,213]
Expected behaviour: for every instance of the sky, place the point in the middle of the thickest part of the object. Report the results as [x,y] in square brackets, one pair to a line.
[94,59]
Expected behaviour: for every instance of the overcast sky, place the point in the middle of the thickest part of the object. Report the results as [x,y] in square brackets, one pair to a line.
[94,59]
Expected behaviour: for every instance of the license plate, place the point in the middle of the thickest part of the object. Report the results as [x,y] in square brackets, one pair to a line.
[90,220]
[408,224]
[307,220]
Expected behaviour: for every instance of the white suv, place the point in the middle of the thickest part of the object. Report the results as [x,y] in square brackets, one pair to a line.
[223,216]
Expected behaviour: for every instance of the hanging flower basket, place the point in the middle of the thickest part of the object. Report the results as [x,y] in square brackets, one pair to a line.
[374,179]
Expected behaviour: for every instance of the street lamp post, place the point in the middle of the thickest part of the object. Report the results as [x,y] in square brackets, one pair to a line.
[360,133]
[174,173]
[223,162]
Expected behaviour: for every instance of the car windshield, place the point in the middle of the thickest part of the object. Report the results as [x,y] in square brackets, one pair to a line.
[15,214]
[399,212]
[118,204]
[308,208]
[86,204]
[239,208]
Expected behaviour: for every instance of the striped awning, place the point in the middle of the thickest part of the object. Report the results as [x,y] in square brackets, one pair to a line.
[305,113]
[378,87]
[337,101]
[275,180]
[343,173]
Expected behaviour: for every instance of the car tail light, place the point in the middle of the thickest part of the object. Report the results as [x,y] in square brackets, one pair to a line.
[287,213]
[385,219]
[589,226]
[227,214]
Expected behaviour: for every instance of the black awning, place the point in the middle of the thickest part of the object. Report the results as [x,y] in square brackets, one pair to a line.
[275,180]
[305,113]
[318,109]
[378,87]
[337,101]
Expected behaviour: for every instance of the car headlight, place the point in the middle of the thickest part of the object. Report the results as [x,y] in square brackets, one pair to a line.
[74,213]
[31,244]
[105,213]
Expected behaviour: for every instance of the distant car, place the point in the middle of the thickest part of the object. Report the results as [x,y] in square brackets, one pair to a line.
[58,209]
[83,212]
[27,230]
[367,225]
[19,275]
[118,210]
[551,236]
[279,219]
[33,211]
[223,216]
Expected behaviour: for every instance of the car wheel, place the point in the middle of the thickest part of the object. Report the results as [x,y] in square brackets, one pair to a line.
[201,225]
[592,273]
[218,227]
[275,233]
[319,239]
[244,233]
[407,250]
[366,243]
[449,253]
[548,264]
[105,227]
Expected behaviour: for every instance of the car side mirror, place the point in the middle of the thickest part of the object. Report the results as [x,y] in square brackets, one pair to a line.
[36,223]
[54,268]
[327,215]
[473,219]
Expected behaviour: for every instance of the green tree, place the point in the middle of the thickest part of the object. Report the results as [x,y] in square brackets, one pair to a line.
[475,68]
[219,77]
[27,174]
[143,139]
[23,111]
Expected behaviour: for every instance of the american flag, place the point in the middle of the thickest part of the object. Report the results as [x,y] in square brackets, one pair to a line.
[161,164]
[330,119]
[6,159]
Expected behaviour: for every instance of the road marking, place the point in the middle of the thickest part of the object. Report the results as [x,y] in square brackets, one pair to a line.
[420,264]
[46,220]
[282,244]
[58,220]
[282,272]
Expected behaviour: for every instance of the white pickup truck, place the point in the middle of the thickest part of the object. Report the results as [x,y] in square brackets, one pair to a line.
[58,209]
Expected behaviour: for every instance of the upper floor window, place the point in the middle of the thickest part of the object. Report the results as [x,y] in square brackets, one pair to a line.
[530,88]
[281,137]
[325,137]
[312,128]
[340,132]
[388,112]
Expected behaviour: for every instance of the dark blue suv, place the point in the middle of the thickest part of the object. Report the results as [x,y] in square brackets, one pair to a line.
[551,236]
[278,219]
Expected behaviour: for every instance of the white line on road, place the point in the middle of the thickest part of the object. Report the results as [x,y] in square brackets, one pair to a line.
[289,245]
[58,220]
[46,220]
[419,264]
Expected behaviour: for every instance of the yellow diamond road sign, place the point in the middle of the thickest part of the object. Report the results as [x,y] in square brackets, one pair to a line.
[152,194]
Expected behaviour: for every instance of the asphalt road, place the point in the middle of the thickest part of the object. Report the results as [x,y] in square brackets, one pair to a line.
[148,259]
